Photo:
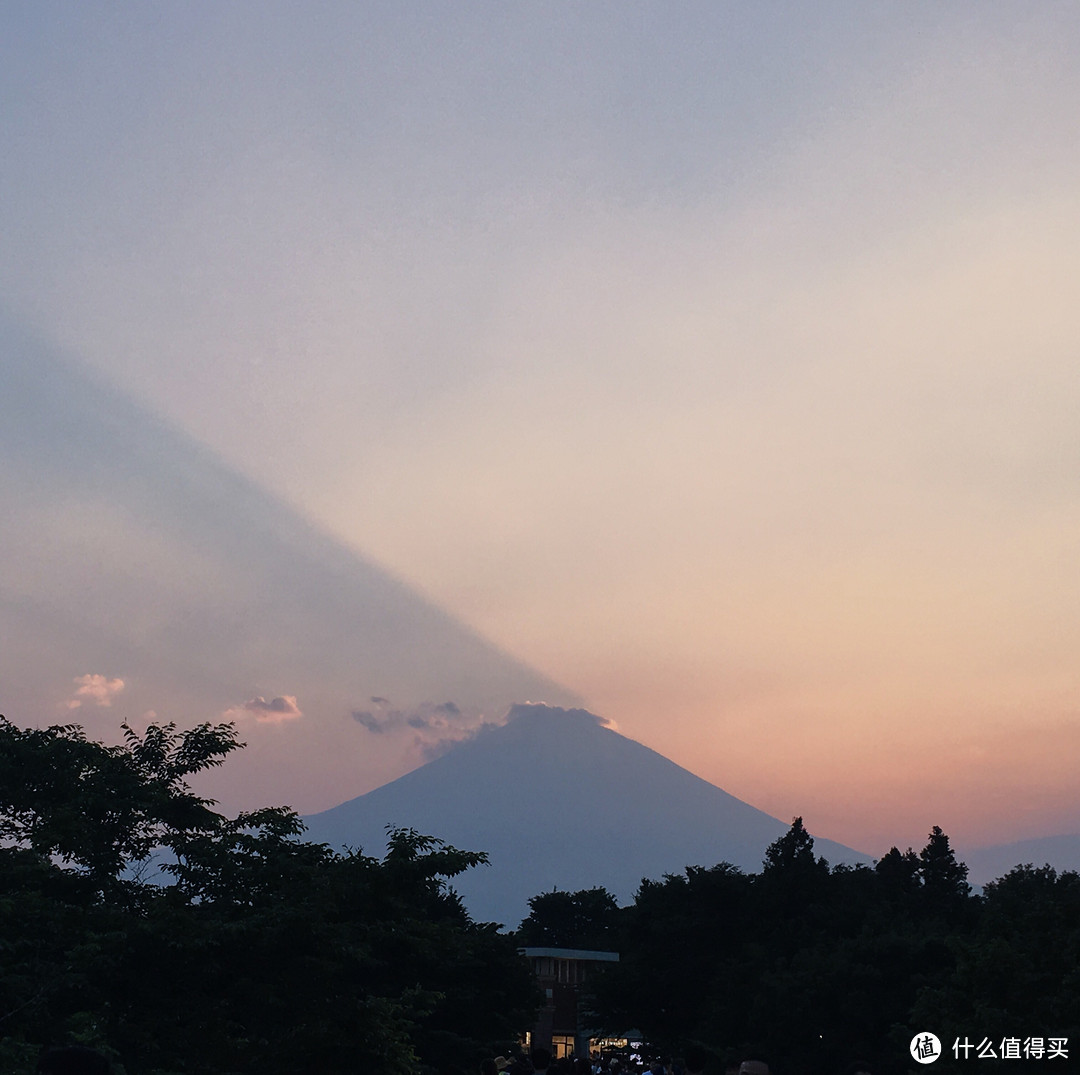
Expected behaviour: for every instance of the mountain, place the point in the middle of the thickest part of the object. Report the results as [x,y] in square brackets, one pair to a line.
[988,863]
[559,800]
[134,554]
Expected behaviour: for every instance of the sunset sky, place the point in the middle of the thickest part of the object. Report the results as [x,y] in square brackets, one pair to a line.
[719,364]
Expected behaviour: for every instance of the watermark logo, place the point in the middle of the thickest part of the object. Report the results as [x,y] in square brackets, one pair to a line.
[925,1047]
[1009,1049]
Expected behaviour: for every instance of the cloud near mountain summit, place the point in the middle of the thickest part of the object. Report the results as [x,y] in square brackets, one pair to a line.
[435,728]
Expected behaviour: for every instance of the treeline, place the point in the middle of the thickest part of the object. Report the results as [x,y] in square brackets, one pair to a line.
[137,919]
[817,967]
[261,953]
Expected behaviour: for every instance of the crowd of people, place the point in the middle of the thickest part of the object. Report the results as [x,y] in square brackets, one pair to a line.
[693,1061]
[78,1060]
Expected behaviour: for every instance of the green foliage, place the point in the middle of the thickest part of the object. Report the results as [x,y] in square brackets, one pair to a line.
[819,967]
[944,880]
[679,976]
[588,919]
[265,953]
[792,853]
[1019,964]
[99,808]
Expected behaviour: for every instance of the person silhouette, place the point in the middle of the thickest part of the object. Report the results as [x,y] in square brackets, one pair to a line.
[754,1065]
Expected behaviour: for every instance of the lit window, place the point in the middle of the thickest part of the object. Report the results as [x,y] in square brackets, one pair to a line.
[562,1045]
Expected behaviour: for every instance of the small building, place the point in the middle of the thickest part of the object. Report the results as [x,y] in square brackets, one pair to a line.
[561,973]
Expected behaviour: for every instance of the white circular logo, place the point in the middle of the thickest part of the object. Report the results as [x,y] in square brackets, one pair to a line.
[925,1047]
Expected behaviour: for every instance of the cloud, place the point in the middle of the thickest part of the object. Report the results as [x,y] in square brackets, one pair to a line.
[541,710]
[384,717]
[95,688]
[427,716]
[276,711]
[435,725]
[369,720]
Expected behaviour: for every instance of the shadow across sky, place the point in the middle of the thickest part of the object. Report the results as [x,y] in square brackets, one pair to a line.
[132,552]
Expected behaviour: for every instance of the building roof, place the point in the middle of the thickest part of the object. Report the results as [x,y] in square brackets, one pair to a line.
[571,953]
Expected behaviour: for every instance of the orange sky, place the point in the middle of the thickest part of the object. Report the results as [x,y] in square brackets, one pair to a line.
[719,367]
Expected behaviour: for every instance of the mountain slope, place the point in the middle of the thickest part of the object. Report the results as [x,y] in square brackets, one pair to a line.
[989,863]
[557,800]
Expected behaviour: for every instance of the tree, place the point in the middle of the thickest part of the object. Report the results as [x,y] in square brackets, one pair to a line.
[899,873]
[792,851]
[264,953]
[683,962]
[588,919]
[792,887]
[1017,966]
[817,965]
[101,808]
[944,879]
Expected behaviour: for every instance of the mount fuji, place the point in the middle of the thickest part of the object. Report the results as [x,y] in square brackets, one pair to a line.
[558,800]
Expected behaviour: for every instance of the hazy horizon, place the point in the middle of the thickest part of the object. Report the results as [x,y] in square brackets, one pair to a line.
[711,368]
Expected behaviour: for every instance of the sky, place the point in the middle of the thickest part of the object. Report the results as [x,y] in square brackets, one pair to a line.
[712,366]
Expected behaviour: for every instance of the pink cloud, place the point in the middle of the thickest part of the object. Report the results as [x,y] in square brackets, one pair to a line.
[276,711]
[96,689]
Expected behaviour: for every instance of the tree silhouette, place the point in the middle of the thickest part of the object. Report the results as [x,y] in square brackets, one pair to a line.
[587,919]
[264,953]
[792,851]
[944,879]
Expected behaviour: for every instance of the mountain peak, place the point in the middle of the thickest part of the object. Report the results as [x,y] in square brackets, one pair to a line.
[559,799]
[540,713]
[550,724]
